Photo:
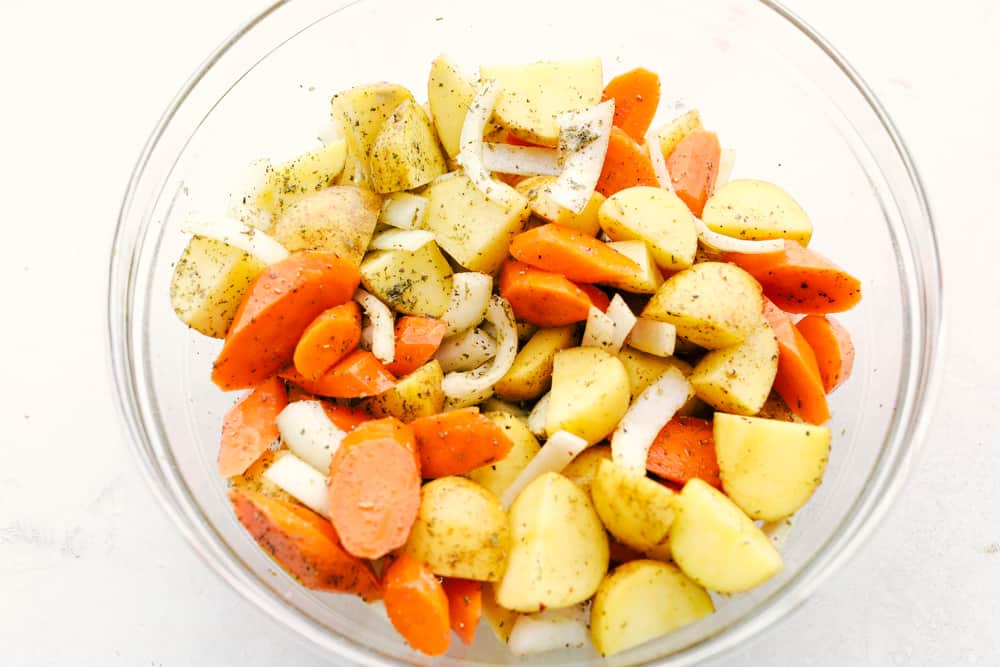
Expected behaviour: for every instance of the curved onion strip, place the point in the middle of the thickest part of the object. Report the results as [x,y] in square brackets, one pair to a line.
[309,433]
[301,481]
[409,240]
[465,351]
[583,145]
[403,210]
[470,153]
[238,235]
[383,326]
[550,629]
[458,384]
[725,243]
[470,295]
[649,413]
[522,160]
[558,451]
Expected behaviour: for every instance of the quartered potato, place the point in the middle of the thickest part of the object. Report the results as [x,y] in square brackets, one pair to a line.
[656,216]
[590,393]
[290,181]
[756,210]
[642,600]
[583,468]
[416,395]
[769,468]
[496,477]
[635,509]
[361,112]
[339,219]
[414,282]
[405,154]
[208,284]
[531,374]
[738,379]
[712,304]
[449,94]
[538,188]
[648,279]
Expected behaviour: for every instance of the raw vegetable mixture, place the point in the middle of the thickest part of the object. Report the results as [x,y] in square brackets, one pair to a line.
[511,355]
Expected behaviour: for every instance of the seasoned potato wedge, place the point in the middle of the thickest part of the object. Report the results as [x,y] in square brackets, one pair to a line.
[531,374]
[677,129]
[583,469]
[534,94]
[290,181]
[360,112]
[656,216]
[738,379]
[538,188]
[449,94]
[648,279]
[416,395]
[559,550]
[756,210]
[405,154]
[496,477]
[636,510]
[776,408]
[642,600]
[473,230]
[461,530]
[590,393]
[208,284]
[414,283]
[340,219]
[716,544]
[712,304]
[769,468]
[644,369]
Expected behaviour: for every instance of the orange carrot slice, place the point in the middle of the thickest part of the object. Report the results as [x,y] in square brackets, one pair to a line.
[685,449]
[417,605]
[693,167]
[453,443]
[636,94]
[546,299]
[357,375]
[250,427]
[579,257]
[798,381]
[328,339]
[417,339]
[832,345]
[625,165]
[465,606]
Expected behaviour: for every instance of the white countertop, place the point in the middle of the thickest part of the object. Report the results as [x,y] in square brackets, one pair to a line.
[93,574]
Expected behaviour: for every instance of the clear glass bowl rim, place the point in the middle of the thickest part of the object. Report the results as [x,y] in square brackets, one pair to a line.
[899,450]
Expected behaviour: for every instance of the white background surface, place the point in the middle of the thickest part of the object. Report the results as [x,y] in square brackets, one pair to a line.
[91,572]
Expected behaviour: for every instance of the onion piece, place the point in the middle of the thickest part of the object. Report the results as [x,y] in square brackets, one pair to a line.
[658,161]
[551,629]
[409,240]
[465,351]
[555,455]
[238,235]
[309,433]
[470,295]
[725,243]
[403,210]
[649,413]
[726,161]
[522,160]
[461,384]
[383,326]
[470,153]
[609,330]
[301,481]
[539,415]
[653,337]
[583,145]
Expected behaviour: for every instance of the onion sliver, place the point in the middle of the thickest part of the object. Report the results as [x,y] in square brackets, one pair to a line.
[725,243]
[653,337]
[610,329]
[470,153]
[649,413]
[583,145]
[550,629]
[301,481]
[383,326]
[470,295]
[521,160]
[465,351]
[409,240]
[309,433]
[403,210]
[461,384]
[238,235]
[555,455]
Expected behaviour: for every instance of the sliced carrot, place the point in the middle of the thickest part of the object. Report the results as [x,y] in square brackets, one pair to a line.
[685,449]
[417,605]
[543,298]
[357,375]
[625,165]
[374,487]
[250,427]
[453,443]
[799,280]
[598,299]
[798,381]
[832,345]
[579,257]
[328,339]
[636,94]
[417,339]
[465,606]
[693,167]
[304,544]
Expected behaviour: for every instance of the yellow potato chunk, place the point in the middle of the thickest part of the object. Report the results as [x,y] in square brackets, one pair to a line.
[538,191]
[656,216]
[756,210]
[290,181]
[738,379]
[340,219]
[648,279]
[496,477]
[413,283]
[531,374]
[449,94]
[637,511]
[590,393]
[583,469]
[416,395]
[405,154]
[360,112]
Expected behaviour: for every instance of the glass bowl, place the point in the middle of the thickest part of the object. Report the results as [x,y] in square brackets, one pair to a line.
[795,111]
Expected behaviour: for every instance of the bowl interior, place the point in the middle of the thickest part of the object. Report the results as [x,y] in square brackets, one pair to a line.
[790,111]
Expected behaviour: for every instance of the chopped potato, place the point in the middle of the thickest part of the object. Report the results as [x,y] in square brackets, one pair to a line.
[756,210]
[656,216]
[289,182]
[416,395]
[583,469]
[339,219]
[590,393]
[414,283]
[738,379]
[361,111]
[538,188]
[449,94]
[405,154]
[648,279]
[531,374]
[635,509]
[496,477]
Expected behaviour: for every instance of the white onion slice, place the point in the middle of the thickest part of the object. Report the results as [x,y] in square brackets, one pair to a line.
[383,326]
[301,481]
[461,384]
[409,240]
[465,351]
[727,159]
[583,145]
[725,243]
[658,161]
[522,160]
[649,413]
[539,415]
[470,153]
[470,295]
[238,235]
[555,455]
[550,630]
[309,433]
[366,337]
[653,337]
[403,210]
[610,329]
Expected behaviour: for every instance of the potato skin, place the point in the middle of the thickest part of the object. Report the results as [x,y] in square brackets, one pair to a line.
[405,154]
[531,374]
[655,216]
[339,219]
[637,511]
[738,379]
[416,395]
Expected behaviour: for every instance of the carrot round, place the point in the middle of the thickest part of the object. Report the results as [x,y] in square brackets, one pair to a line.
[798,381]
[465,606]
[684,449]
[417,339]
[250,427]
[636,94]
[832,345]
[374,488]
[417,605]
[693,167]
[357,375]
[799,280]
[327,339]
[304,544]
[625,165]
[277,308]
[579,257]
[543,298]
[453,443]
